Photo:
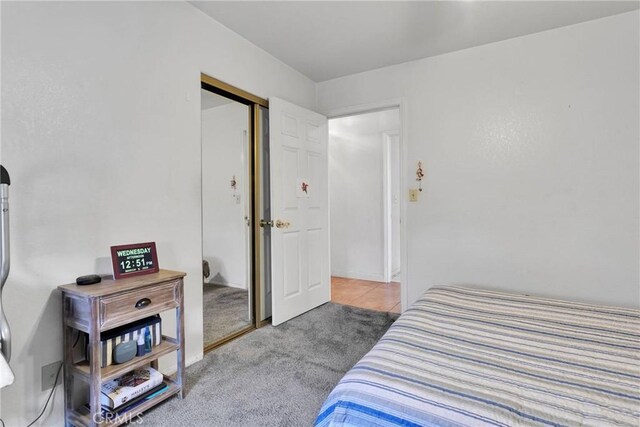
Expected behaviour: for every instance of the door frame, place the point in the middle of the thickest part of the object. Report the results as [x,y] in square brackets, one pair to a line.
[387,204]
[401,105]
[255,200]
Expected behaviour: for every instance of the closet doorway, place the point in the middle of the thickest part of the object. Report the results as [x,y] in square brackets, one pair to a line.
[228,139]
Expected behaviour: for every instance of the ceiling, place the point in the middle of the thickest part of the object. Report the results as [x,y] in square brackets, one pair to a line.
[329,39]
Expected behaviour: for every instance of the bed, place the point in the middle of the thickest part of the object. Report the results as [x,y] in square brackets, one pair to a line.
[472,357]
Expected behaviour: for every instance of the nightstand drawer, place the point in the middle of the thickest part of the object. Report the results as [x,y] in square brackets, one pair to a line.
[126,307]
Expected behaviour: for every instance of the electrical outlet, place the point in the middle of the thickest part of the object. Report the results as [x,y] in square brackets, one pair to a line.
[49,373]
[413,195]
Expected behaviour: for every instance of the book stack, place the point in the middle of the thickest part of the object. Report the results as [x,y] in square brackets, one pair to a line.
[132,389]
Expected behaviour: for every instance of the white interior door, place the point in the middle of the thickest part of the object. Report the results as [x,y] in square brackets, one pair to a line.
[300,268]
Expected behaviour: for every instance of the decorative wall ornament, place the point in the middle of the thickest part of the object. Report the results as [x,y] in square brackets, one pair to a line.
[419,175]
[234,187]
[303,188]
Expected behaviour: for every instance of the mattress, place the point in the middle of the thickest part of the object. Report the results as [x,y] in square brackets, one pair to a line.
[472,357]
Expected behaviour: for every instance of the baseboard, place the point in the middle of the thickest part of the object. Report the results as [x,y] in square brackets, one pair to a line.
[190,361]
[358,276]
[171,370]
[230,285]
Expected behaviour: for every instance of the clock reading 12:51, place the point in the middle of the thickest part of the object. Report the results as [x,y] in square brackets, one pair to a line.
[134,259]
[133,264]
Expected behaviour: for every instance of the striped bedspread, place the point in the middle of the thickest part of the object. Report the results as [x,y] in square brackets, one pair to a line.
[470,357]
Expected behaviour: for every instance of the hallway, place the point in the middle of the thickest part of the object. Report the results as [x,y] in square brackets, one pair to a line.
[377,296]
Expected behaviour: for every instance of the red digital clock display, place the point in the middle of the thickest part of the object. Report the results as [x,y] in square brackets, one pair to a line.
[134,259]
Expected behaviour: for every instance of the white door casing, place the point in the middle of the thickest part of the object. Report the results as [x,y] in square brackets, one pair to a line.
[391,203]
[299,196]
[394,174]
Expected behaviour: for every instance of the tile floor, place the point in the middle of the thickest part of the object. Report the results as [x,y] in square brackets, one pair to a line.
[366,294]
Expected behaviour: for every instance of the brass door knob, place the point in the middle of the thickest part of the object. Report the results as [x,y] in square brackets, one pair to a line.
[282,224]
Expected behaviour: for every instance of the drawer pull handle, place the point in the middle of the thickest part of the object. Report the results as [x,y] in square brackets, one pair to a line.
[143,303]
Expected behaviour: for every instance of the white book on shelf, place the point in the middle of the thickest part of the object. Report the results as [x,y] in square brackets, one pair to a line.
[131,385]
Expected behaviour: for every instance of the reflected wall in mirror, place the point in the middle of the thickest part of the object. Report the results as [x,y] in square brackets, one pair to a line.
[226,207]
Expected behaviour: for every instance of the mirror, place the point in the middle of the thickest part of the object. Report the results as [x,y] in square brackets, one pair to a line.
[226,233]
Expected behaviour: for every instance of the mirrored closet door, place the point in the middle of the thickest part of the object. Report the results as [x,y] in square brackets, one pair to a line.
[226,213]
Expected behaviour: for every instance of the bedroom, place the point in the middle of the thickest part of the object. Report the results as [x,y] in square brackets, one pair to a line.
[530,147]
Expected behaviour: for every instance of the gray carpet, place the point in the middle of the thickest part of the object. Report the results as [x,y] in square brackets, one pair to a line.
[275,376]
[225,311]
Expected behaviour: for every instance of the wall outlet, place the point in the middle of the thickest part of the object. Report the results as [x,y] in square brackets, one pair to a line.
[49,373]
[413,195]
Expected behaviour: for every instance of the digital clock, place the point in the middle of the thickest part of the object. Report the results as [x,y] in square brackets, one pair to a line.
[134,259]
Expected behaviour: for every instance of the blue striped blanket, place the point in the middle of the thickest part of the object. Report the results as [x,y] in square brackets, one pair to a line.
[471,357]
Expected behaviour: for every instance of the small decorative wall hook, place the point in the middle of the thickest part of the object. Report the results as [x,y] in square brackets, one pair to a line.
[304,187]
[419,175]
[233,183]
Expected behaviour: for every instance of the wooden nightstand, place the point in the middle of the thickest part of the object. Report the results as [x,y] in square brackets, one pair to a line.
[96,308]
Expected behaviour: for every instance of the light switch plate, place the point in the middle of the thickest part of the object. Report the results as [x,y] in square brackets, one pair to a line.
[49,375]
[413,195]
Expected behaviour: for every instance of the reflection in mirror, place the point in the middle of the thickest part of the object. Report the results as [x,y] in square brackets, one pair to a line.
[225,211]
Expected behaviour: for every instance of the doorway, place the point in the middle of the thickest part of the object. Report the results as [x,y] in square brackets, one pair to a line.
[229,249]
[365,203]
[285,206]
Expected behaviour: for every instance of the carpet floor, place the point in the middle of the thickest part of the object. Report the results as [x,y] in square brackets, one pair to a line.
[275,376]
[225,311]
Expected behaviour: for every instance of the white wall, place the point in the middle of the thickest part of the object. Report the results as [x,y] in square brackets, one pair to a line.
[530,148]
[356,193]
[224,231]
[101,135]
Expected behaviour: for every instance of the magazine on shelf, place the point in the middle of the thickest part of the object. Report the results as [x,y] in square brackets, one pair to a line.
[117,392]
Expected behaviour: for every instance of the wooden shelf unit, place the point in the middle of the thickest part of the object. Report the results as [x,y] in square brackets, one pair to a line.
[83,417]
[96,308]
